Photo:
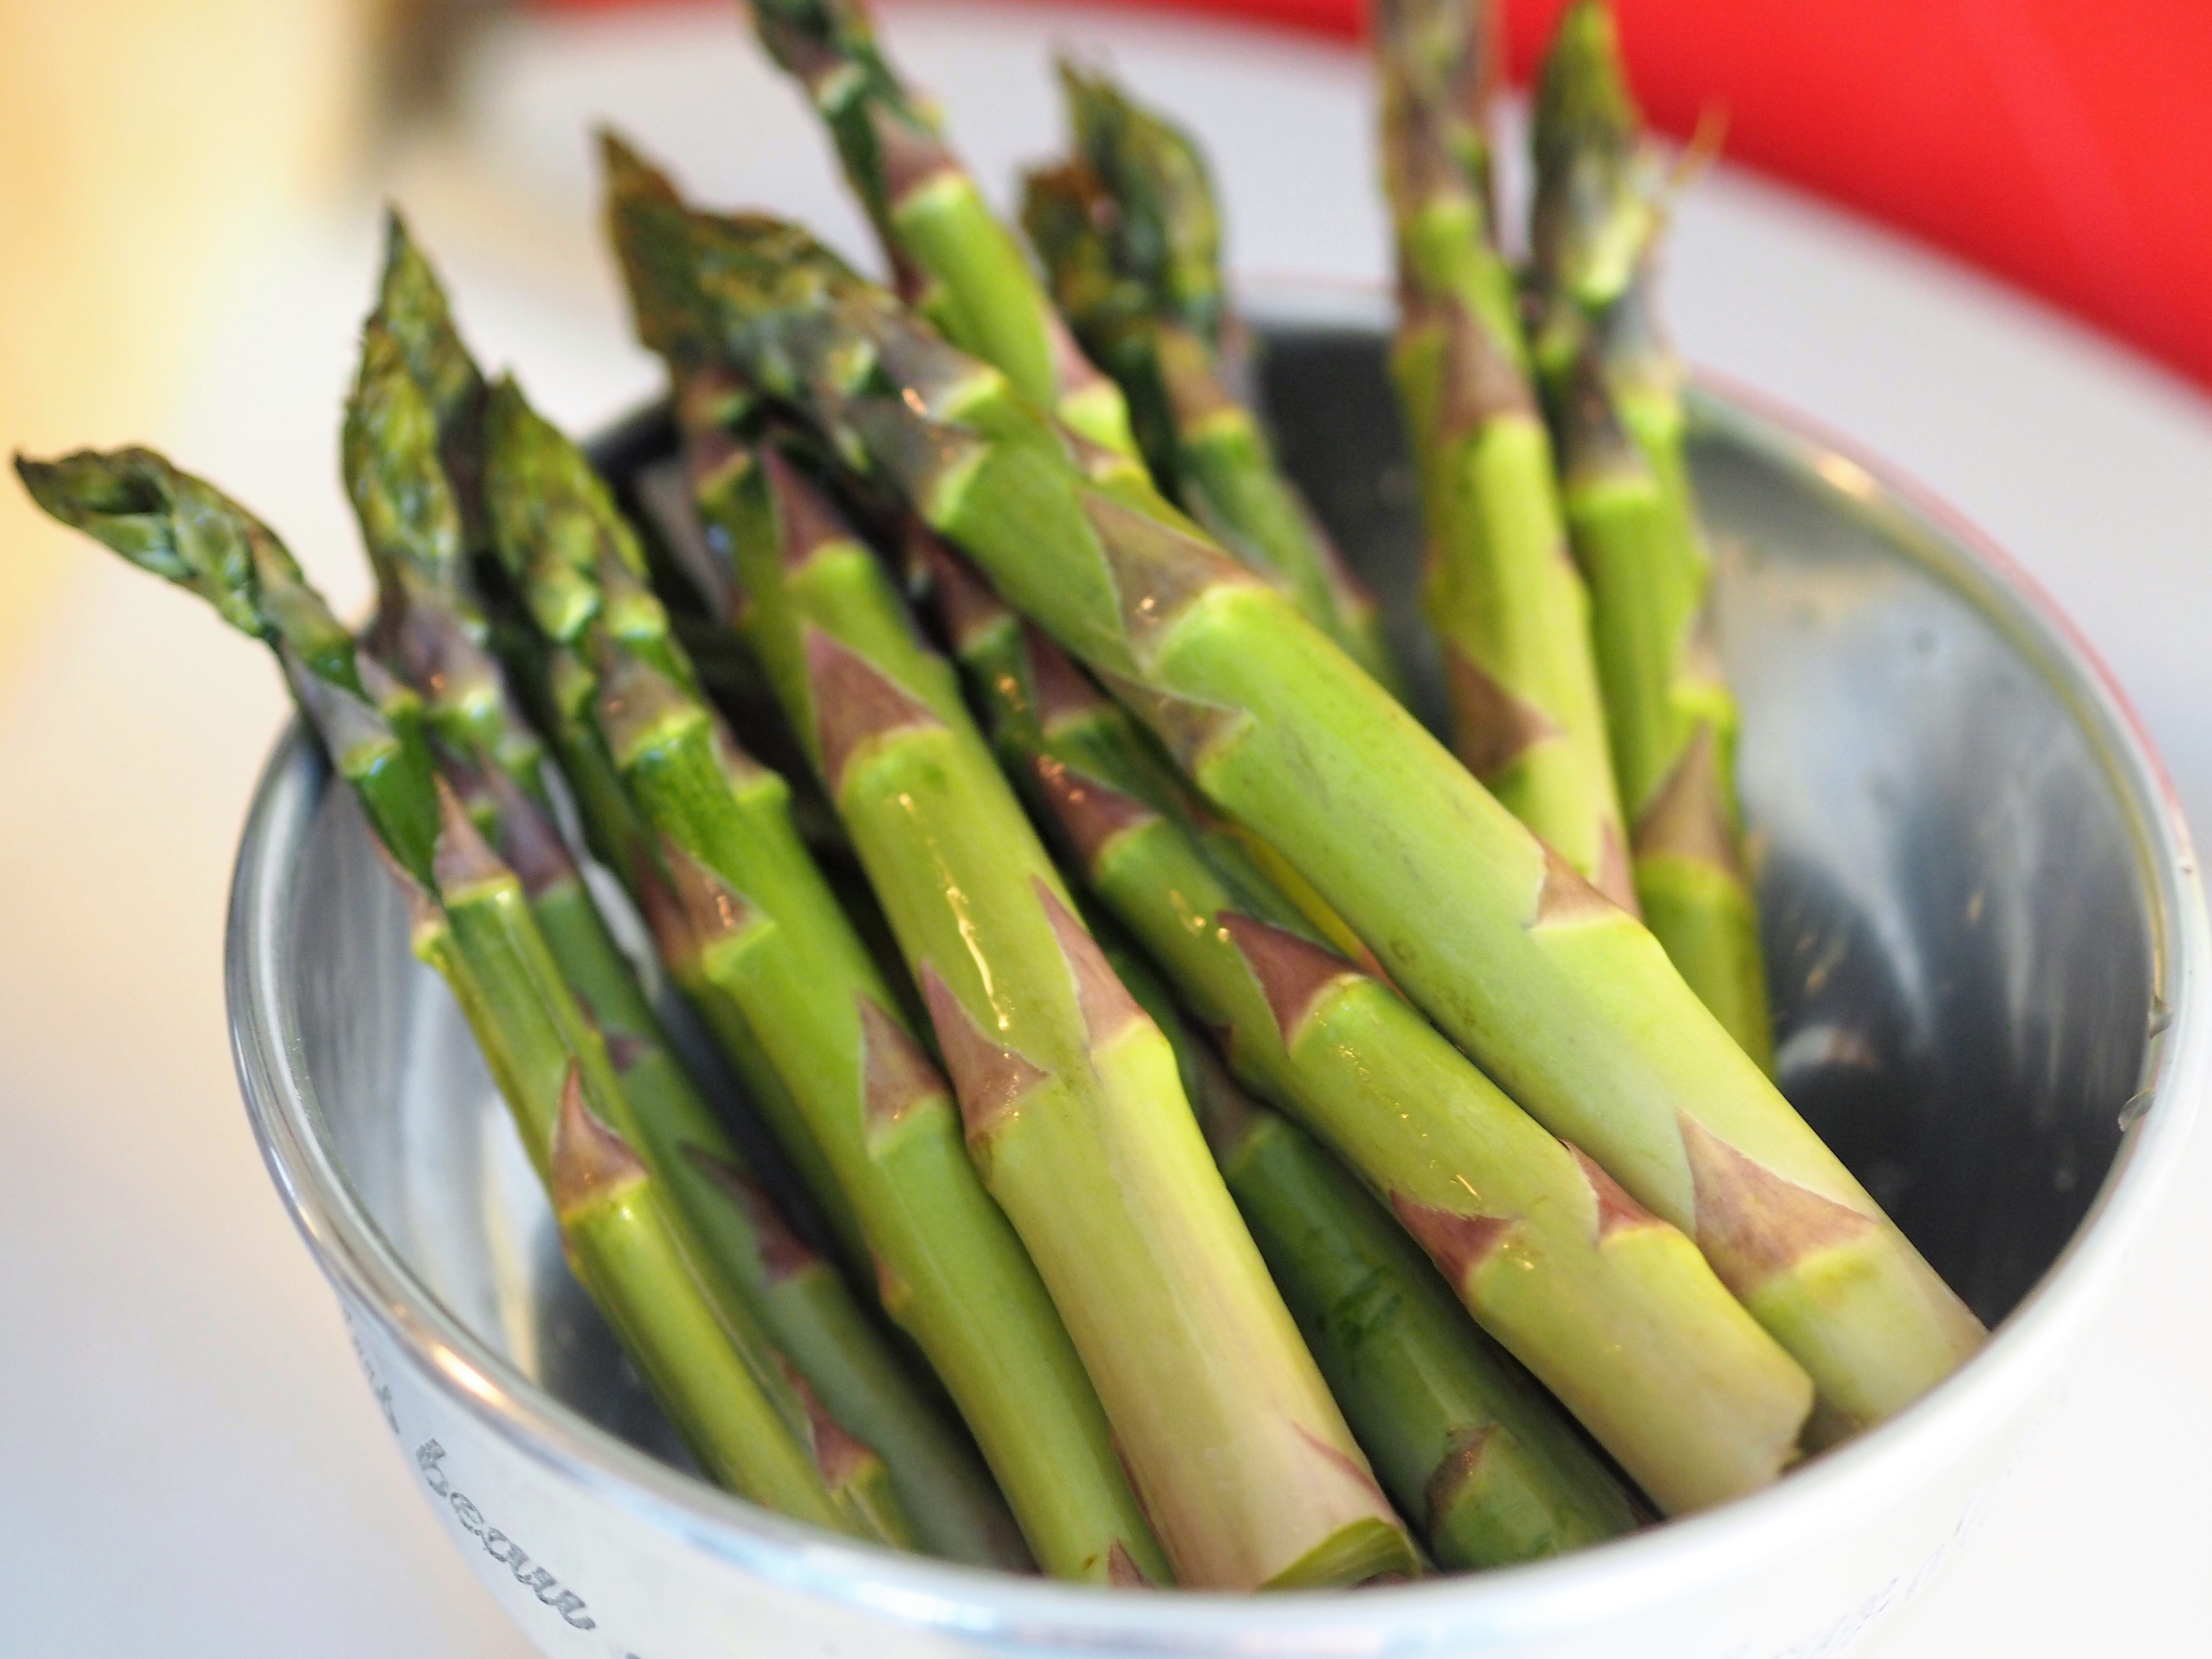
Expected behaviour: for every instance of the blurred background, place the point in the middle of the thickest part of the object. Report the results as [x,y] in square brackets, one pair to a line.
[1974,236]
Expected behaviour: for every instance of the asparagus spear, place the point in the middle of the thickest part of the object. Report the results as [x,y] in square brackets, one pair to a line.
[747,1418]
[1632,516]
[747,924]
[1128,232]
[733,1228]
[1459,1434]
[1505,599]
[1560,995]
[953,260]
[1615,1311]
[1073,1111]
[1668,706]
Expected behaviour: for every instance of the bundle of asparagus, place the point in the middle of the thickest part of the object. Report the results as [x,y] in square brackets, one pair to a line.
[1523,1179]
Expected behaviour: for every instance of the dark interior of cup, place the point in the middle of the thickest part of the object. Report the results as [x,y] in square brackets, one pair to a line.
[1953,884]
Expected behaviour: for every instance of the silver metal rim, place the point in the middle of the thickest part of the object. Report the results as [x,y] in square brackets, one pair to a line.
[1728,1542]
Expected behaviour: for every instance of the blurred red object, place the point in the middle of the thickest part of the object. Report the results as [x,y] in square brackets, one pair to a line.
[2063,144]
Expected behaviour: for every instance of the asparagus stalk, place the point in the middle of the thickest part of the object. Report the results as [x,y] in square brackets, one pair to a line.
[746,923]
[953,260]
[1499,587]
[1669,707]
[1615,1311]
[1073,1111]
[733,1228]
[1129,231]
[1561,996]
[1632,517]
[1597,212]
[743,1414]
[1459,1434]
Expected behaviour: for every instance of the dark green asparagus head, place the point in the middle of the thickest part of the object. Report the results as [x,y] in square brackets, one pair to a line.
[412,306]
[563,539]
[1439,62]
[1164,227]
[666,250]
[1065,213]
[883,391]
[429,624]
[389,450]
[185,531]
[1069,218]
[1598,190]
[743,293]
[650,230]
[886,134]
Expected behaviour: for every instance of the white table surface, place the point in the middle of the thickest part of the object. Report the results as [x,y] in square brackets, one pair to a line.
[190,1464]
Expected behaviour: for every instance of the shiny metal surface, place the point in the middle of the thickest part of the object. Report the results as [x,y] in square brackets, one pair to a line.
[1986,942]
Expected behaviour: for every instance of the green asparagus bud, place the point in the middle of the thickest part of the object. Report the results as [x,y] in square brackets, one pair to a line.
[955,262]
[1129,231]
[1597,207]
[180,528]
[1167,226]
